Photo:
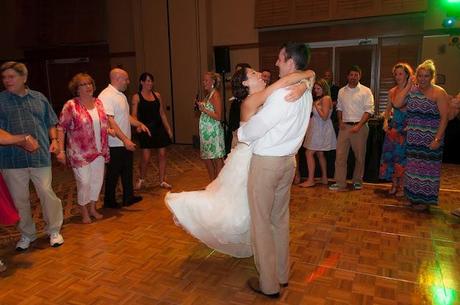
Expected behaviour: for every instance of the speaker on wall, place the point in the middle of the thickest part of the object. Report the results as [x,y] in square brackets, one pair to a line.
[222,58]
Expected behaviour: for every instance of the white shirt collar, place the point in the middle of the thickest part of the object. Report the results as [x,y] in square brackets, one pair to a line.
[115,90]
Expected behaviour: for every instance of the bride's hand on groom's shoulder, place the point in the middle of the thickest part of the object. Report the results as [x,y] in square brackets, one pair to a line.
[295,92]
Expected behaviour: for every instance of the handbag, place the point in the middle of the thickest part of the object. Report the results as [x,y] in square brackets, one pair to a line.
[8,213]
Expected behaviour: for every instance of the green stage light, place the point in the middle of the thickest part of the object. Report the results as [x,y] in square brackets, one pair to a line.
[448,22]
[451,7]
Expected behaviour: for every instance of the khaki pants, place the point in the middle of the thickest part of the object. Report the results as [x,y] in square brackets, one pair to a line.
[357,141]
[17,181]
[269,186]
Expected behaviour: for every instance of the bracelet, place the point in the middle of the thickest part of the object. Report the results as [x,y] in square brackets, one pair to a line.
[437,140]
[26,138]
[304,81]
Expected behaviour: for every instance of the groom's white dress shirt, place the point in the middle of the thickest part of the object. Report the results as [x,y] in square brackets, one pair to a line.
[278,128]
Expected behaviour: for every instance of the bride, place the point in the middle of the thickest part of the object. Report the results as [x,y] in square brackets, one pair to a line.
[219,215]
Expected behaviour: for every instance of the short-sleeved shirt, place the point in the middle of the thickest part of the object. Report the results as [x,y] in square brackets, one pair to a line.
[29,114]
[116,105]
[354,102]
[86,134]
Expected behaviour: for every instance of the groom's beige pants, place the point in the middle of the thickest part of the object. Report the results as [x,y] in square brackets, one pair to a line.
[269,186]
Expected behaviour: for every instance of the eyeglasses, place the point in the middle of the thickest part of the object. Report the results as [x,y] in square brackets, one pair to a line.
[85,84]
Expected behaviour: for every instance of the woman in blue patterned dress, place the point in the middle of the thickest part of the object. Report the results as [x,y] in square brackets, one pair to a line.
[393,161]
[212,144]
[427,117]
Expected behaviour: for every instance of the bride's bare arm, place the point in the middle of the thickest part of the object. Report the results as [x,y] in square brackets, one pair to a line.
[254,101]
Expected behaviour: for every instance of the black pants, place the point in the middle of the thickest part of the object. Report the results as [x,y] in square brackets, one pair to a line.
[121,164]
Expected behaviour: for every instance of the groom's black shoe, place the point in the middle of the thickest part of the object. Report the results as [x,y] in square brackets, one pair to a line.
[253,283]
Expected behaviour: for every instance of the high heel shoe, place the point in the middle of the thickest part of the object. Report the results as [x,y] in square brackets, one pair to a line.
[165,185]
[138,184]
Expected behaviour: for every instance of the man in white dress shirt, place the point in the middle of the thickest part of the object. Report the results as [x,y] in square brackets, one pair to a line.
[355,105]
[121,147]
[276,132]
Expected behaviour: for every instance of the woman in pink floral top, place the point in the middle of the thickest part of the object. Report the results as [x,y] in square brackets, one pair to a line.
[85,122]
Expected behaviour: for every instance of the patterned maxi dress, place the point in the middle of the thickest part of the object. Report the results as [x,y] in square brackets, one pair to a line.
[212,144]
[423,169]
[393,161]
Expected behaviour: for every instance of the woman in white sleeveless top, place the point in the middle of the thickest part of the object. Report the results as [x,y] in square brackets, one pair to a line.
[320,135]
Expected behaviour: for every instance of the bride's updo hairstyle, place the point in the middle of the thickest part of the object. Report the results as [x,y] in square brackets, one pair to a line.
[238,89]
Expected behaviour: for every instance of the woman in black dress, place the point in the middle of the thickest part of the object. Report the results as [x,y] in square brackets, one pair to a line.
[148,108]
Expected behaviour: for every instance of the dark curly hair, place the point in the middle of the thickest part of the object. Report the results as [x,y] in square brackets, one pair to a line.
[238,89]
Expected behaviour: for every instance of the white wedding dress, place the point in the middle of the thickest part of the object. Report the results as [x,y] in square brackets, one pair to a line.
[219,215]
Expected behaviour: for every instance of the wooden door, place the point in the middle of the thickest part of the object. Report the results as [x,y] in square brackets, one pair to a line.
[53,68]
[321,60]
[363,56]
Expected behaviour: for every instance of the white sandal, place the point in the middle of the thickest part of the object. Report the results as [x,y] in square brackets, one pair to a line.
[2,266]
[165,185]
[139,183]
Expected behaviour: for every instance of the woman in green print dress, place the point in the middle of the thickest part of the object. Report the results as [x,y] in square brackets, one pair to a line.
[212,145]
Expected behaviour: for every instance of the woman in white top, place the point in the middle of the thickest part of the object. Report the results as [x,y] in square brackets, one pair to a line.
[320,133]
[85,122]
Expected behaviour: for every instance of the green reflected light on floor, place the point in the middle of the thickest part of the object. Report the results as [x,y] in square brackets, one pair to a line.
[437,282]
[443,296]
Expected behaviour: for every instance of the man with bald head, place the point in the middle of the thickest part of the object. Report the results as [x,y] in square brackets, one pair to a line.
[121,147]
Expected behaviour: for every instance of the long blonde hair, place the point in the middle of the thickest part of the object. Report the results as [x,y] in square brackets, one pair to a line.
[216,79]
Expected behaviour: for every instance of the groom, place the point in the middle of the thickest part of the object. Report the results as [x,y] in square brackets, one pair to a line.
[277,131]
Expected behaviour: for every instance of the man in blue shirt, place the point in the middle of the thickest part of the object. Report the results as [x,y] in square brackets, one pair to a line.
[25,111]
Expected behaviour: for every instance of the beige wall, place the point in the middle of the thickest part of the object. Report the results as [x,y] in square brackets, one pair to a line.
[233,22]
[151,46]
[120,37]
[435,15]
[196,26]
[189,36]
[446,59]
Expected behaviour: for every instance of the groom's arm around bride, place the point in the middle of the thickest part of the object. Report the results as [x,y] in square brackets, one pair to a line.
[276,133]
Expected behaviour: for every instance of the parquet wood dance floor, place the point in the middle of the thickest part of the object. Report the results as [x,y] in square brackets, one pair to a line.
[359,247]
